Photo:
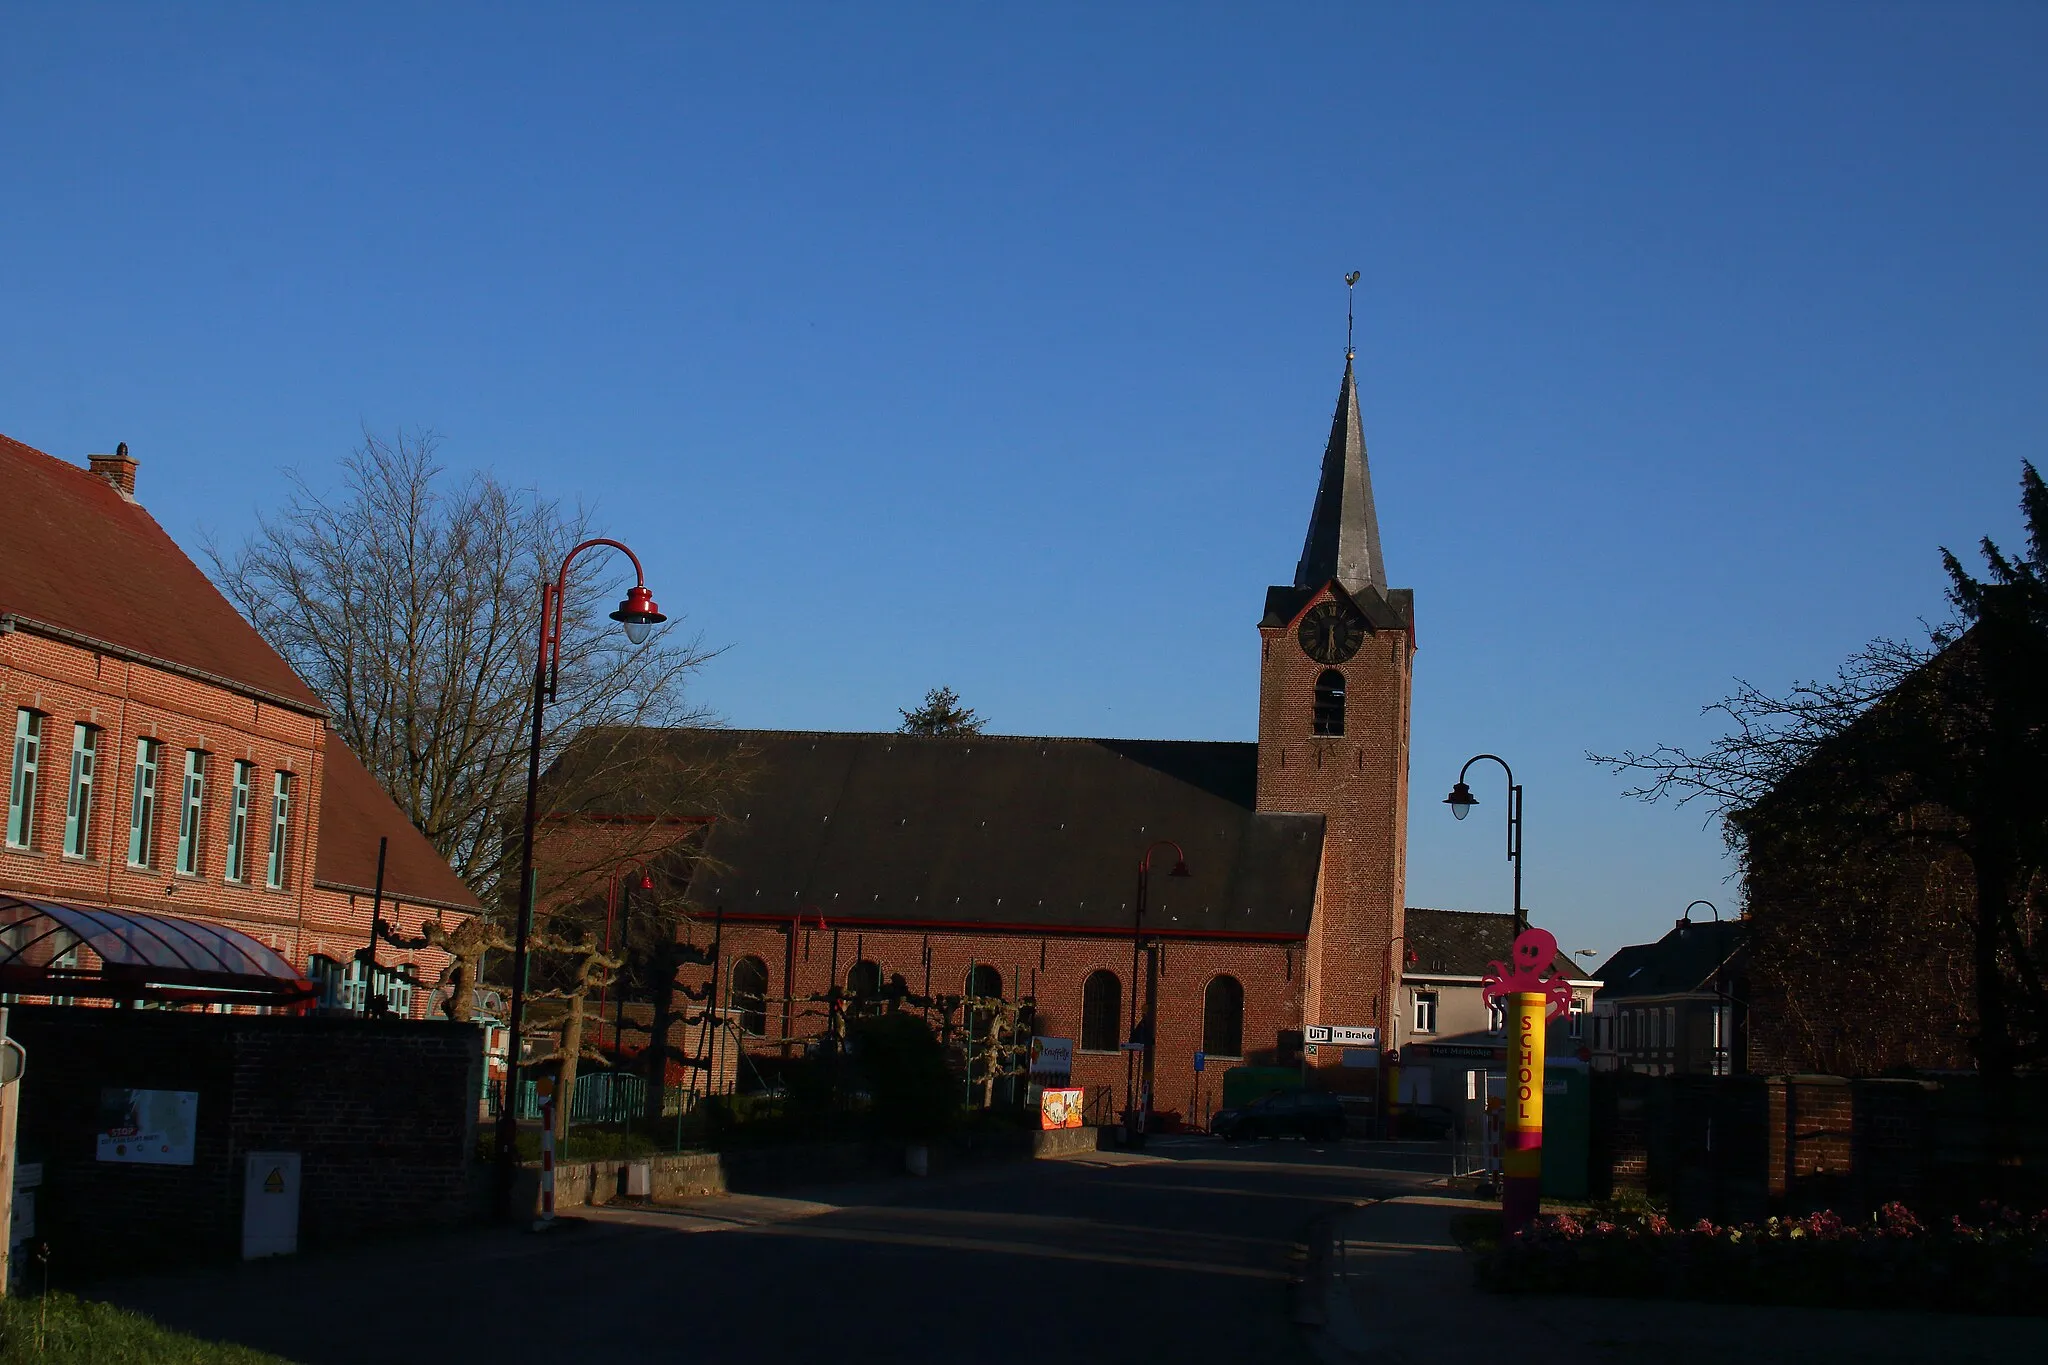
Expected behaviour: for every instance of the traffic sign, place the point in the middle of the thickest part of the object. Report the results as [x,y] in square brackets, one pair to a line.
[1348,1035]
[1200,1058]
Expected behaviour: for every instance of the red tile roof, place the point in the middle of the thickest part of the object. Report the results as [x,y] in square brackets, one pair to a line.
[76,554]
[354,812]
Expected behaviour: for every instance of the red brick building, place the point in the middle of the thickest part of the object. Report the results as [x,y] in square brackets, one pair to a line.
[163,758]
[981,864]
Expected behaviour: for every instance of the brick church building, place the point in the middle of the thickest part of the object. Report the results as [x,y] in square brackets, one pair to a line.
[1008,865]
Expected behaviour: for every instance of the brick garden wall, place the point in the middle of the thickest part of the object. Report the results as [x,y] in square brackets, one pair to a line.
[383,1113]
[1740,1148]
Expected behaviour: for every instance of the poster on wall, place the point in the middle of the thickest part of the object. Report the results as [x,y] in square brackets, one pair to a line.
[1052,1056]
[1061,1108]
[156,1127]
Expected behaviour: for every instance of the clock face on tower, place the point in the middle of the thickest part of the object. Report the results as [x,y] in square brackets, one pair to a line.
[1330,633]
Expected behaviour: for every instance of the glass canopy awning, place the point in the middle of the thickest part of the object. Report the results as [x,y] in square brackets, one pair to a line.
[72,951]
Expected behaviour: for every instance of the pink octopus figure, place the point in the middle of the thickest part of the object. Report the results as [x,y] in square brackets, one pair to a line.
[1534,952]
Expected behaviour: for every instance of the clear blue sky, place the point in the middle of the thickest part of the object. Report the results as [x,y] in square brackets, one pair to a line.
[995,346]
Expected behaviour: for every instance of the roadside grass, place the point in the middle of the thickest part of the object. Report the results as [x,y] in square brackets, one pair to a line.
[58,1329]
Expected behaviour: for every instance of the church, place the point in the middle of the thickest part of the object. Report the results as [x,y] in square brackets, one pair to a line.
[1006,865]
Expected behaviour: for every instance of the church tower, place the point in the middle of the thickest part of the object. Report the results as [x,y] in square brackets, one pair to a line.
[1335,658]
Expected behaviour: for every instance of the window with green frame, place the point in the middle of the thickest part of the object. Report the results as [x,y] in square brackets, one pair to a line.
[191,812]
[85,748]
[280,829]
[21,791]
[238,825]
[142,809]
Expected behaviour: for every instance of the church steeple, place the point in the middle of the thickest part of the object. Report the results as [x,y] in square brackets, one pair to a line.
[1344,531]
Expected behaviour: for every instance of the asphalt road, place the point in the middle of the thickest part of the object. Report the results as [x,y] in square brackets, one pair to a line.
[1182,1253]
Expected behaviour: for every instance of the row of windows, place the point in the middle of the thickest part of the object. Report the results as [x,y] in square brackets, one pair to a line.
[145,798]
[1425,1007]
[1102,1023]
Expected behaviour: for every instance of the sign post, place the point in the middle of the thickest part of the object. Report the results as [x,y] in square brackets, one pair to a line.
[1534,985]
[1522,1140]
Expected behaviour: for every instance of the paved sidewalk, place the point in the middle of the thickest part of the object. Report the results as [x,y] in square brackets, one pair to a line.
[1399,1289]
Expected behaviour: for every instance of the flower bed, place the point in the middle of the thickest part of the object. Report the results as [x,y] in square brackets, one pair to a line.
[1996,1263]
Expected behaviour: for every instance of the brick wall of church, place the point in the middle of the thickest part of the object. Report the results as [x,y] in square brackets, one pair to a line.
[1359,782]
[1053,970]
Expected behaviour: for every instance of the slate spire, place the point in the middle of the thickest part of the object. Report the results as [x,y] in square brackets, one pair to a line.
[1344,531]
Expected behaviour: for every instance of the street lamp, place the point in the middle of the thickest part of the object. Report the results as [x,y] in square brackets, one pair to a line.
[1461,801]
[1142,1100]
[639,615]
[1685,915]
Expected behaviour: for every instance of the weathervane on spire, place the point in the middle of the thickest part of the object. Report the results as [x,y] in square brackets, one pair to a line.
[1350,288]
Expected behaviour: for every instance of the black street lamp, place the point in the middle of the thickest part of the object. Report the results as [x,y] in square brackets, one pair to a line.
[639,615]
[1461,801]
[1142,1099]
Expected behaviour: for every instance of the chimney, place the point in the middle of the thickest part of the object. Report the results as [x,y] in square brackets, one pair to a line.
[117,469]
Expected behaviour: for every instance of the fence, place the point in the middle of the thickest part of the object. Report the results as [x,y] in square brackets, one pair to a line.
[601,1097]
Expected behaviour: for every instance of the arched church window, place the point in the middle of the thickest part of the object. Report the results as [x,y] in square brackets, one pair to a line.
[1223,1018]
[1102,1011]
[750,996]
[985,983]
[864,986]
[1330,703]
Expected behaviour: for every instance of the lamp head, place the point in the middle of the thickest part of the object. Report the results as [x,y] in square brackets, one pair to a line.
[646,882]
[1461,801]
[1180,868]
[638,614]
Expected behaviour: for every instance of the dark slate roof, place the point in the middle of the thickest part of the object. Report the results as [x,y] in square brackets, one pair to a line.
[1681,962]
[1344,530]
[1000,831]
[1465,942]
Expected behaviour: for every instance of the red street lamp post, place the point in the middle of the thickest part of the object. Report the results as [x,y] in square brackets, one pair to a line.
[1141,1100]
[639,615]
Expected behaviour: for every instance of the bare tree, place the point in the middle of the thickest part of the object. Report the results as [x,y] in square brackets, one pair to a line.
[408,599]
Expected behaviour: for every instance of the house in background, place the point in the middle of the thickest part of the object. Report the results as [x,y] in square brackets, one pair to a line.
[164,759]
[1676,1007]
[1444,1026]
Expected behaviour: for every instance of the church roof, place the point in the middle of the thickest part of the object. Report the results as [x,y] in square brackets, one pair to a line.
[1000,832]
[1344,530]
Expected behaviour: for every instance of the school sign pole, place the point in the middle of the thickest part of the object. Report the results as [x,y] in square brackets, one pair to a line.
[1522,1136]
[1532,985]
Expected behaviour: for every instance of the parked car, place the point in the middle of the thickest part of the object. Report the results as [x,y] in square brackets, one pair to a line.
[1289,1113]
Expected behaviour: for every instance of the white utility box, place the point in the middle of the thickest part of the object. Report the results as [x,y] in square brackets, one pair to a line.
[270,1205]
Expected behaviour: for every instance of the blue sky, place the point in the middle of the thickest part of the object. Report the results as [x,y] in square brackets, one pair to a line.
[995,346]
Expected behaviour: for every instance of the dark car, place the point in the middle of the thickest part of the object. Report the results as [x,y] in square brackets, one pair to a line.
[1288,1113]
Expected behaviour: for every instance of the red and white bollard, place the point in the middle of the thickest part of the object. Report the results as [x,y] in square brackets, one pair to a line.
[546,1087]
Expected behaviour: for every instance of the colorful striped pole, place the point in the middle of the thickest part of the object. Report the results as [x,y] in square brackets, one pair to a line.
[1522,1144]
[546,1087]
